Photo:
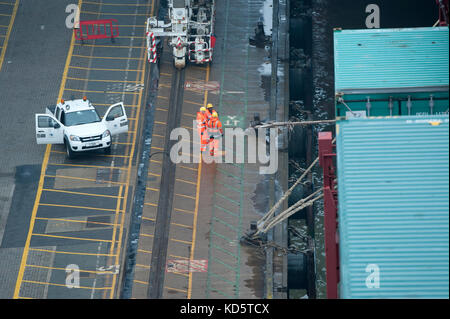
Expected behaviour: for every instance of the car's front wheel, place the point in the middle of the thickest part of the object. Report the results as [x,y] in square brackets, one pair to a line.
[69,152]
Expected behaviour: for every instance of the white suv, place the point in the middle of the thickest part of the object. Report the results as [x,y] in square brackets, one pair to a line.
[77,124]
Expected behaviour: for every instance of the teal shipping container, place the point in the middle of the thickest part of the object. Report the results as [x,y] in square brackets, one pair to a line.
[393,207]
[389,72]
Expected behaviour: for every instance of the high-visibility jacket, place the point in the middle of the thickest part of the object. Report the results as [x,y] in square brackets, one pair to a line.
[208,115]
[215,127]
[201,122]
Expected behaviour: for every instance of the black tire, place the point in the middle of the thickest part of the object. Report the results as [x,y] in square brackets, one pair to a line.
[69,152]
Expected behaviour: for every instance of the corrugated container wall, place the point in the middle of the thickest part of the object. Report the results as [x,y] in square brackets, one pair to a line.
[388,66]
[393,188]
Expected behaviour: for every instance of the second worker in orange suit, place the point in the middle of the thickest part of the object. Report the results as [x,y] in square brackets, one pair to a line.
[215,131]
[202,119]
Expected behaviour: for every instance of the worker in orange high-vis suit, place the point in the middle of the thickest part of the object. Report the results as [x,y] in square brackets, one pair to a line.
[209,110]
[215,131]
[202,120]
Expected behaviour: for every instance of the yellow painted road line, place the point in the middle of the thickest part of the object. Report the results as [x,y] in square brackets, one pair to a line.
[8,32]
[181,241]
[84,179]
[140,282]
[142,266]
[42,176]
[101,69]
[184,210]
[77,193]
[179,257]
[121,4]
[192,102]
[105,104]
[144,251]
[69,252]
[111,81]
[101,92]
[91,166]
[77,221]
[194,232]
[61,285]
[185,181]
[132,151]
[176,224]
[79,207]
[7,3]
[59,152]
[190,168]
[153,174]
[74,238]
[179,273]
[64,269]
[117,14]
[5,15]
[116,217]
[110,46]
[176,289]
[106,57]
[151,204]
[185,196]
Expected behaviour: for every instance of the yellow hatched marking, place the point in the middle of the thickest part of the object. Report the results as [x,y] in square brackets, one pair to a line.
[84,179]
[41,178]
[93,166]
[64,269]
[78,221]
[8,31]
[69,252]
[179,273]
[93,80]
[121,4]
[185,181]
[110,46]
[80,207]
[112,13]
[181,241]
[176,289]
[74,238]
[184,210]
[102,69]
[61,285]
[105,57]
[151,204]
[190,168]
[59,152]
[101,92]
[192,102]
[78,193]
[142,266]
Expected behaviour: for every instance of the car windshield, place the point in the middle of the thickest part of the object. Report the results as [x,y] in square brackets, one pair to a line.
[82,117]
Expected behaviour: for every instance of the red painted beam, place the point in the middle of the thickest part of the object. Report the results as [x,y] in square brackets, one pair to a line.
[326,157]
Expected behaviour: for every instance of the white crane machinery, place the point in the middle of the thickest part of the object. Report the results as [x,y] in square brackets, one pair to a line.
[189,30]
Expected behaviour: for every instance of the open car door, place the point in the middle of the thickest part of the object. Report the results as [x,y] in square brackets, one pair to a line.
[48,130]
[116,119]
